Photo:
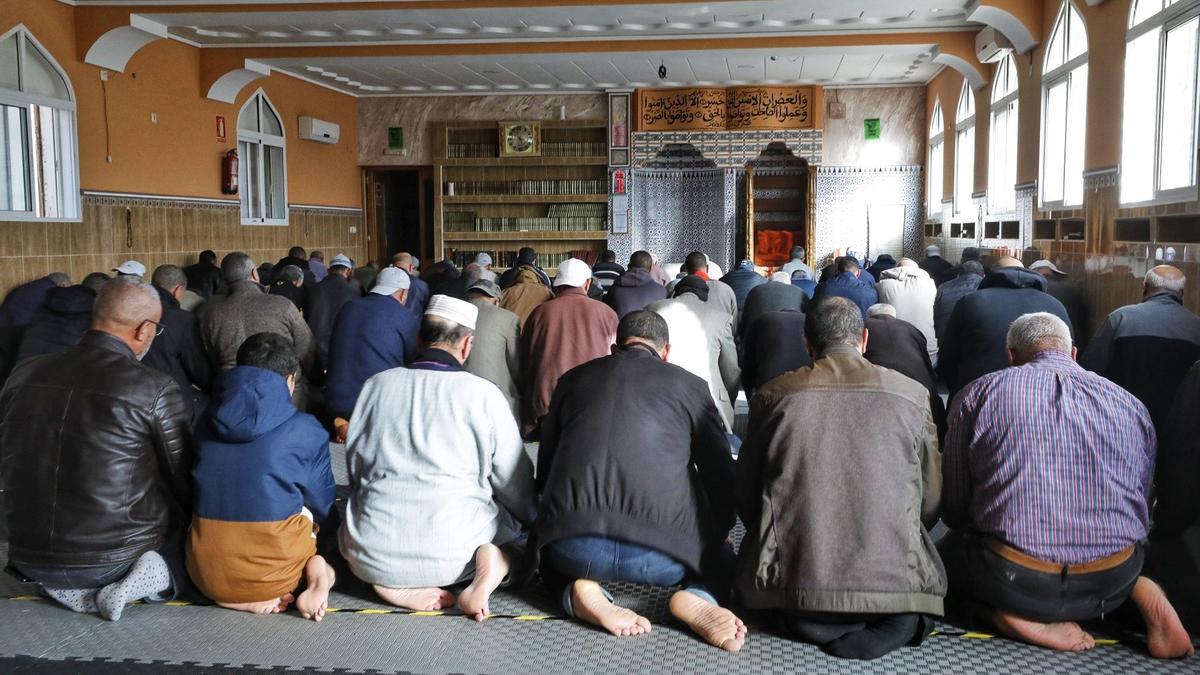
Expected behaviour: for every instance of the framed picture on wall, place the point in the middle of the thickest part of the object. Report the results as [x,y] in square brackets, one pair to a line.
[618,157]
[618,120]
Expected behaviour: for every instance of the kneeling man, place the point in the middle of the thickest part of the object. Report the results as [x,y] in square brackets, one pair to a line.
[1049,471]
[262,478]
[634,471]
[96,456]
[836,508]
[440,484]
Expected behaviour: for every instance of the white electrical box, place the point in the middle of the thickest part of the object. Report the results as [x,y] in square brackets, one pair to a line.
[313,129]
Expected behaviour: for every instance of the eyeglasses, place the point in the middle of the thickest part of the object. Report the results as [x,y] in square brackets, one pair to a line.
[158,327]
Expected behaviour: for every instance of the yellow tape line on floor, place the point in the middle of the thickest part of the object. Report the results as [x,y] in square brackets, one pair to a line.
[968,635]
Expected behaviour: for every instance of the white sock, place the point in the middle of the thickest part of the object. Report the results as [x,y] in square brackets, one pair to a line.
[148,578]
[82,600]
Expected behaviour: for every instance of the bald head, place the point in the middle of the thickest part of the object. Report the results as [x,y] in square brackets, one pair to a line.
[1006,261]
[1164,278]
[404,261]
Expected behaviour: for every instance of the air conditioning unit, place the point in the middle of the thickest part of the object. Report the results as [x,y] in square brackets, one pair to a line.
[991,46]
[313,129]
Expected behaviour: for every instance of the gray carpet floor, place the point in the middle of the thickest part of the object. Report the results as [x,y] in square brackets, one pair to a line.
[528,634]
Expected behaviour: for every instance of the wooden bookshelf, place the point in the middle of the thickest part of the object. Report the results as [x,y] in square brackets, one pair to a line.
[556,203]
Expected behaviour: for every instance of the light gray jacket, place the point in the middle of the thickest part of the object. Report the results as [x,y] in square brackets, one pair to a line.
[496,356]
[701,336]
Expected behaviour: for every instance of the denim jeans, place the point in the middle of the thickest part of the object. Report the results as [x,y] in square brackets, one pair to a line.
[981,579]
[601,559]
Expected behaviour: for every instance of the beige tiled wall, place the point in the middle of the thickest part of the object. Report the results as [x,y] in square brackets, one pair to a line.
[161,232]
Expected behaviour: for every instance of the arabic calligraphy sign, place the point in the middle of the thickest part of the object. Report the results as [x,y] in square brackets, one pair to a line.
[709,109]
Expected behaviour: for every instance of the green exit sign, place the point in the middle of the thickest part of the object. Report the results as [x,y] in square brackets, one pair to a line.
[872,128]
[395,138]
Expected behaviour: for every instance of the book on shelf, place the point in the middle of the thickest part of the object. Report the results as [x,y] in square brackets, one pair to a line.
[508,257]
[548,187]
[559,218]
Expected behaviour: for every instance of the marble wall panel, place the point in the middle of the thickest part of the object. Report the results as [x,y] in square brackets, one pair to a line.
[901,111]
[415,113]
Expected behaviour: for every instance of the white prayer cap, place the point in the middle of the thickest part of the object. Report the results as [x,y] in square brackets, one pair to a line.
[460,312]
[390,280]
[932,250]
[483,259]
[132,268]
[340,260]
[1046,264]
[573,272]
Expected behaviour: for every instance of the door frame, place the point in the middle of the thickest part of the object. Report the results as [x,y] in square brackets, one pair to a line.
[376,243]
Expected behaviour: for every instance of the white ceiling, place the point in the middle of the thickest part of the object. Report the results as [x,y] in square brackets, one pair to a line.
[415,26]
[528,73]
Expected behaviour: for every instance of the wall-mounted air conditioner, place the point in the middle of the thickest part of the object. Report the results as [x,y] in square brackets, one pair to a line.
[313,129]
[991,46]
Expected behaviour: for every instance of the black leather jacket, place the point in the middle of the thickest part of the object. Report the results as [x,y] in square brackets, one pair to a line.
[95,456]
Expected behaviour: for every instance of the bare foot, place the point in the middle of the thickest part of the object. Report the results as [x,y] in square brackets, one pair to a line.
[593,607]
[1066,636]
[490,569]
[717,625]
[420,599]
[313,602]
[1166,637]
[276,606]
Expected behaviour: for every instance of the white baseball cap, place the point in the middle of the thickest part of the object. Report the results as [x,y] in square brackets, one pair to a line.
[483,259]
[342,260]
[573,272]
[932,249]
[1046,264]
[460,312]
[132,267]
[390,280]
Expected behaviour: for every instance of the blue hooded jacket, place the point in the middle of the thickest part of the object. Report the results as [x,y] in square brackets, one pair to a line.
[857,289]
[258,458]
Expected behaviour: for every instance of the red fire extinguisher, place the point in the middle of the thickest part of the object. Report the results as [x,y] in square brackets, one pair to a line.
[229,173]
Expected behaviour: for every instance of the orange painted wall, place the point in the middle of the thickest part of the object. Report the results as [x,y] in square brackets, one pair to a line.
[180,155]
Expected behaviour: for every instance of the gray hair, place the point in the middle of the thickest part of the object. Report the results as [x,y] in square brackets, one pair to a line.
[291,273]
[59,278]
[1159,282]
[168,277]
[1039,332]
[472,273]
[881,309]
[126,300]
[236,266]
[970,267]
[782,277]
[834,321]
[797,253]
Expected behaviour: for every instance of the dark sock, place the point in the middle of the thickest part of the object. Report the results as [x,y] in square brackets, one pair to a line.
[881,637]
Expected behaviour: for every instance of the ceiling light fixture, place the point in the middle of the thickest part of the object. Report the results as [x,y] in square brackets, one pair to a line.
[662,70]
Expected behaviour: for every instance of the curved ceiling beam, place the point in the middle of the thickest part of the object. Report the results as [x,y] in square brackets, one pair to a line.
[965,67]
[1015,19]
[115,47]
[226,87]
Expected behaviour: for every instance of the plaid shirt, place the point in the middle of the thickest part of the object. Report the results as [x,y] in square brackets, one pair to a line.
[1051,459]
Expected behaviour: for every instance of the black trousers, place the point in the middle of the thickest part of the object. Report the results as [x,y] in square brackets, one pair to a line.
[1174,563]
[980,580]
[856,636]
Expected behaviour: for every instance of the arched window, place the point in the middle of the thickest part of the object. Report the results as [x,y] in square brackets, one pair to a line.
[263,163]
[937,156]
[1002,153]
[1158,141]
[964,149]
[39,164]
[1064,110]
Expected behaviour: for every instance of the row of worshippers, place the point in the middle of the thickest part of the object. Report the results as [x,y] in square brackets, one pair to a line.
[446,505]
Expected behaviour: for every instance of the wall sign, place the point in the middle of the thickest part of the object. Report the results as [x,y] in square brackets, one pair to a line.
[395,141]
[872,128]
[717,109]
[220,129]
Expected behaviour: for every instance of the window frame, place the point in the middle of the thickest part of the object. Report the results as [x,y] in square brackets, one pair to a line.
[936,141]
[962,127]
[1007,104]
[262,140]
[1061,73]
[1170,17]
[25,101]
